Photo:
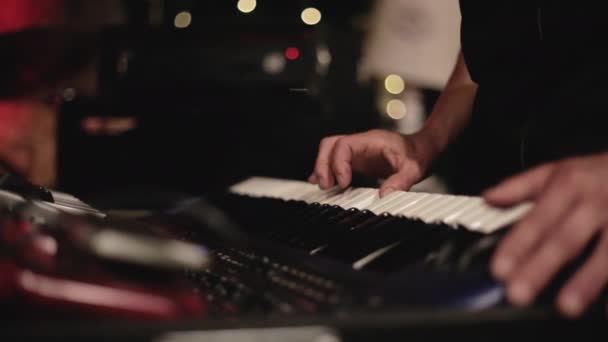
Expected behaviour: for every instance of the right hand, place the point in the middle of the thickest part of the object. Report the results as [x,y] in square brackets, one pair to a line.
[400,159]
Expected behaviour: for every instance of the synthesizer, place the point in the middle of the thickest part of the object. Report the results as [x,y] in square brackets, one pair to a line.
[324,250]
[350,249]
[469,212]
[284,258]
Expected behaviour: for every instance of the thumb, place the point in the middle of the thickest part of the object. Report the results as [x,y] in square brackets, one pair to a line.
[402,180]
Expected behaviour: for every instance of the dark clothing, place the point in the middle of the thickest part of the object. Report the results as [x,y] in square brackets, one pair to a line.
[542,70]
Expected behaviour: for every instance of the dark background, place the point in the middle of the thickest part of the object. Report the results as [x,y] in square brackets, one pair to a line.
[208,113]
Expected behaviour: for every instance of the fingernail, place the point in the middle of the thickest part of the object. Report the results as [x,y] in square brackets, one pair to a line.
[572,304]
[520,293]
[503,267]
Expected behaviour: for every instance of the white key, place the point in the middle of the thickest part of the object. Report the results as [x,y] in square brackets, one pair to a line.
[474,213]
[312,196]
[347,197]
[508,217]
[441,200]
[294,191]
[322,195]
[490,215]
[426,214]
[337,197]
[470,212]
[461,210]
[438,215]
[437,202]
[241,187]
[305,193]
[368,197]
[378,206]
[399,200]
[421,201]
[354,197]
[262,187]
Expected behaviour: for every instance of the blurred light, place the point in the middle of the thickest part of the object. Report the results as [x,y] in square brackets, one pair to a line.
[92,125]
[246,6]
[273,63]
[183,19]
[311,16]
[323,56]
[396,109]
[78,292]
[145,250]
[292,53]
[394,84]
[69,94]
[108,126]
[47,244]
[122,65]
[323,60]
[117,126]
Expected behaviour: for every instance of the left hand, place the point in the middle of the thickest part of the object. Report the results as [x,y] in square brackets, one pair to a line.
[570,207]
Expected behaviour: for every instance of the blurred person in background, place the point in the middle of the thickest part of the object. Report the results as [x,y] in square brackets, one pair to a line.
[46,48]
[27,140]
[530,75]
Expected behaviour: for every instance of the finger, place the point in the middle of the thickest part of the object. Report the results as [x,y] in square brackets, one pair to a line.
[313,179]
[567,241]
[341,159]
[587,283]
[402,180]
[322,171]
[393,158]
[554,204]
[519,188]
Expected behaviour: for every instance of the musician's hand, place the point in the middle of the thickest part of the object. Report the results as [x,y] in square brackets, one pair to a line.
[570,199]
[400,159]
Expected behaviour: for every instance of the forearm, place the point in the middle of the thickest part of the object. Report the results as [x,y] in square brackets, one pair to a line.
[450,114]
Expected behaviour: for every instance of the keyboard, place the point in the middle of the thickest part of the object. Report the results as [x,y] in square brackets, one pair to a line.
[468,212]
[310,250]
[287,257]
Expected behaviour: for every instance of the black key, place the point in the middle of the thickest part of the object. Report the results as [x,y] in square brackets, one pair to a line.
[365,240]
[330,233]
[352,246]
[413,250]
[344,214]
[293,230]
[310,209]
[324,233]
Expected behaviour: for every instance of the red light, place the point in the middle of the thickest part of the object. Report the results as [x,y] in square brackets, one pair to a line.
[292,53]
